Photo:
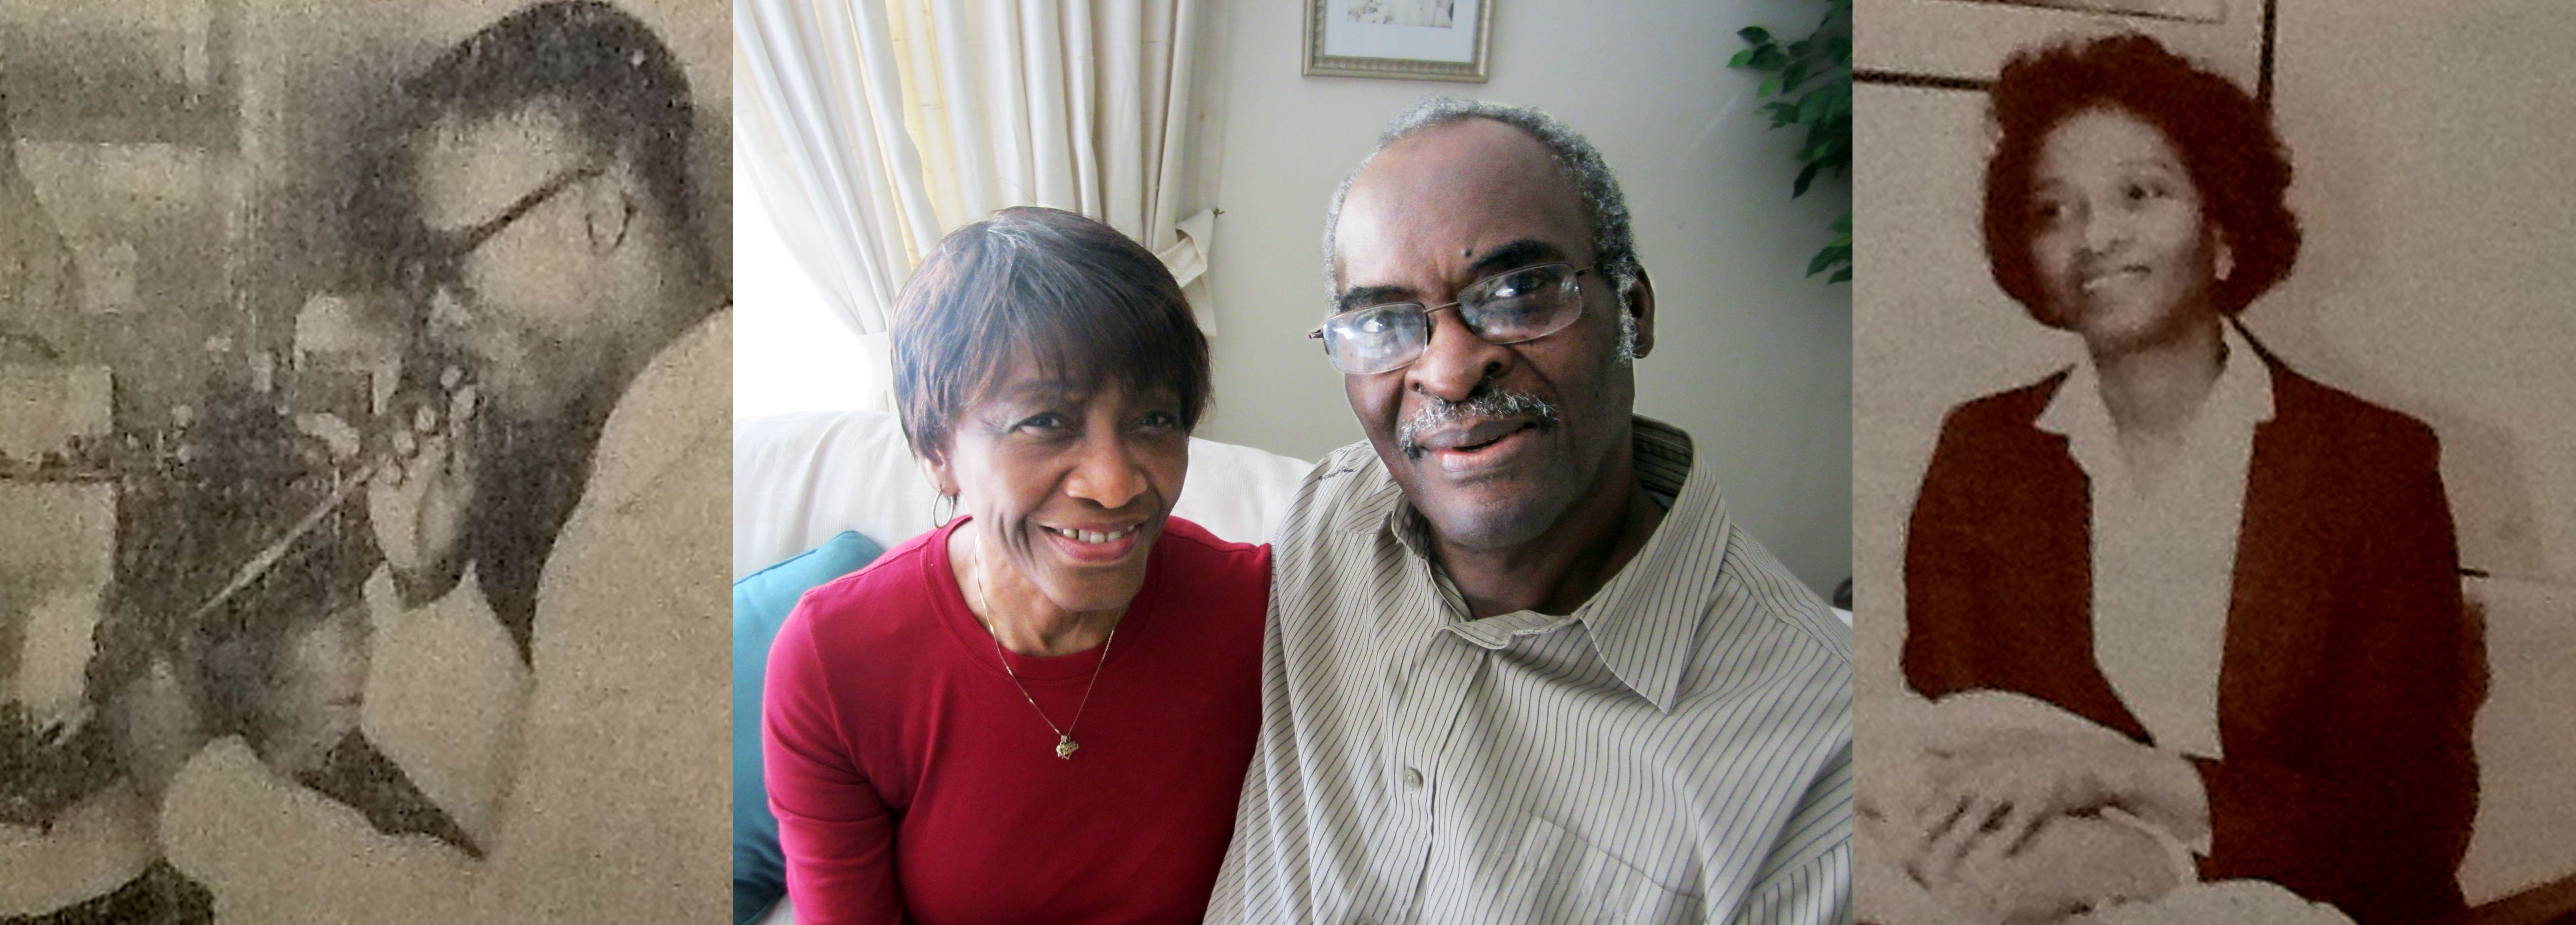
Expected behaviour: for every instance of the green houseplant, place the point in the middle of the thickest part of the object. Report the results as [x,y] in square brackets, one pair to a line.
[1811,85]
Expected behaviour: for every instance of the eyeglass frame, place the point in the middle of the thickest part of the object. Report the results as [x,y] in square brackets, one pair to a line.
[447,250]
[1574,279]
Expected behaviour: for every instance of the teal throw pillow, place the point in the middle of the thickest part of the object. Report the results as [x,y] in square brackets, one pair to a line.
[761,602]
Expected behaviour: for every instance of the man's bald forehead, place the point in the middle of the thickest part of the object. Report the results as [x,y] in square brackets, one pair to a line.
[1430,170]
[1473,143]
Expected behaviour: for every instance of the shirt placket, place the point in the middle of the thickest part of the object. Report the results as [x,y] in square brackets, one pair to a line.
[1426,711]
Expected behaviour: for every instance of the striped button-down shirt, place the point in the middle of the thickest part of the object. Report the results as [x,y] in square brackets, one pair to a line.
[1678,749]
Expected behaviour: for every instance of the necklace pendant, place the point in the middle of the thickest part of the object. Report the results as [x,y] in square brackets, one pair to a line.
[1065,746]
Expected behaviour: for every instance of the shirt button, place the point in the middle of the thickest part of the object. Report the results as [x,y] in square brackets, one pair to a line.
[1412,779]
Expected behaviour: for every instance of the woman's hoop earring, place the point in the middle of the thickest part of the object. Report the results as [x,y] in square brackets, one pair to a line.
[937,521]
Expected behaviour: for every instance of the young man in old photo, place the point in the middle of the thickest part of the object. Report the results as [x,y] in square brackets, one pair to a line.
[577,456]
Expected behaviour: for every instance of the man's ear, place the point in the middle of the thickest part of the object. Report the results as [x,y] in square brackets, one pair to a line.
[1641,305]
[608,210]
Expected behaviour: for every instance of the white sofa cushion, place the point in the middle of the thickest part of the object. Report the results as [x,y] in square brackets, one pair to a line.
[800,478]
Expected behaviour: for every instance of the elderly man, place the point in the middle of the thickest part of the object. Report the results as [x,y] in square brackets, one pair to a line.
[584,465]
[1522,666]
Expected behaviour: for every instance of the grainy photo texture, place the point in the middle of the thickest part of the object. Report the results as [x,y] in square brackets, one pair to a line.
[363,449]
[2203,573]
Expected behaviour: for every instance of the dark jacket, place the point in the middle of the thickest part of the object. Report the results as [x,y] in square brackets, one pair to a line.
[2351,673]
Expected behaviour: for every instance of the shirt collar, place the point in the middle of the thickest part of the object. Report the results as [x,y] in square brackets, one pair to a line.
[1642,622]
[2241,397]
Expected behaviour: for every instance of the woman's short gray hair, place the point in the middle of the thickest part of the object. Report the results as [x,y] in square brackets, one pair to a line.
[1614,244]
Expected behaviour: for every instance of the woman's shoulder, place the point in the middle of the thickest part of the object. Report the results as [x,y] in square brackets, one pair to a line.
[2348,419]
[1212,565]
[1195,543]
[2016,407]
[2005,421]
[897,582]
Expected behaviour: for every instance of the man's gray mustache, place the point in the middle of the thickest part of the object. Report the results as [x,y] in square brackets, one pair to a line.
[1486,402]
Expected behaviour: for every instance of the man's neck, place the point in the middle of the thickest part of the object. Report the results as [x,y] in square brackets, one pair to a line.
[1562,567]
[675,301]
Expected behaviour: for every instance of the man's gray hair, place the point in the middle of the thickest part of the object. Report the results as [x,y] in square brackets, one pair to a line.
[1614,244]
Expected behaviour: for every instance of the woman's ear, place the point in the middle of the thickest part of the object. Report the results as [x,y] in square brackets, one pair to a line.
[2223,261]
[935,467]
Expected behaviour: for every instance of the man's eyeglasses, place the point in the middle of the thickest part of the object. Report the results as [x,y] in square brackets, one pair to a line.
[1506,308]
[435,258]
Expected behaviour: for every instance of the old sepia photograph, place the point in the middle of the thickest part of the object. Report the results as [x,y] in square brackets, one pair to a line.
[2215,539]
[364,375]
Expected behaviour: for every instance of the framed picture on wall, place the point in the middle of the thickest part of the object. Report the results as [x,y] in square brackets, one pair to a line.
[1407,39]
[2194,10]
[1960,44]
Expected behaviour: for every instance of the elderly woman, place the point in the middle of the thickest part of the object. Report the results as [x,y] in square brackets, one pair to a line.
[2249,576]
[1041,710]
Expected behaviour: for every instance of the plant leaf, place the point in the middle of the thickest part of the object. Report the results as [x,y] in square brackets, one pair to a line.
[1814,106]
[1811,85]
[1805,177]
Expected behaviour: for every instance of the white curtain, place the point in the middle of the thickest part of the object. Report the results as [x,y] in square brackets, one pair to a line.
[872,127]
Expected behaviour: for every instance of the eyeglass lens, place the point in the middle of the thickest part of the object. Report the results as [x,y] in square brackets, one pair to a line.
[1506,308]
[432,265]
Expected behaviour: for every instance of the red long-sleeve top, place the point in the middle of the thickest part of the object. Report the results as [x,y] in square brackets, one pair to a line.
[912,783]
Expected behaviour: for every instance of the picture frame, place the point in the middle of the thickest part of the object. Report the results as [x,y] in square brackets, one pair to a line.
[1399,39]
[2187,10]
[1959,44]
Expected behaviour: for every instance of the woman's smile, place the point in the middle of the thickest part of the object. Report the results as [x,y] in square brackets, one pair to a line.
[1096,547]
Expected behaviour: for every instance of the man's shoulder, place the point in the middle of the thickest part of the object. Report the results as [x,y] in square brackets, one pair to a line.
[1346,488]
[1770,671]
[673,416]
[1760,636]
[1773,596]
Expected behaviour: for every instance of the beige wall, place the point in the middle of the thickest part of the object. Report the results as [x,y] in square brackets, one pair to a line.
[2435,146]
[1752,359]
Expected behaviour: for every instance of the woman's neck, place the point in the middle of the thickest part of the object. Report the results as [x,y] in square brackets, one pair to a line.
[1020,615]
[2154,390]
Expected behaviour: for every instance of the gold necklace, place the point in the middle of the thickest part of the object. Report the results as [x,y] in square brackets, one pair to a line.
[1065,746]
